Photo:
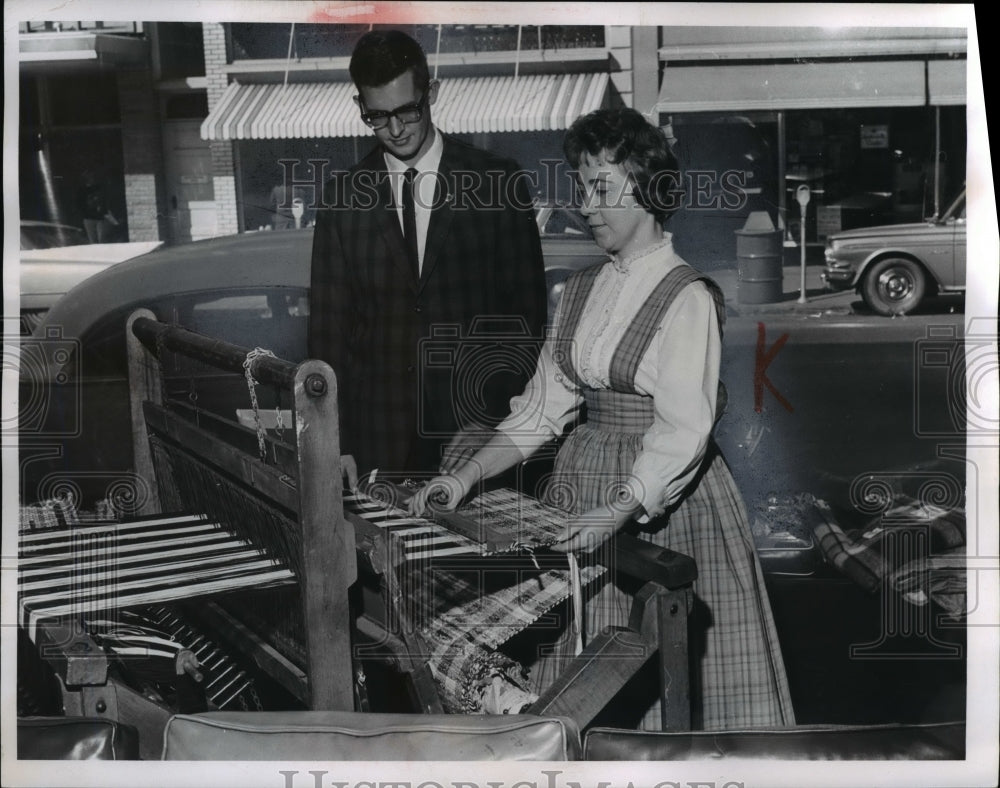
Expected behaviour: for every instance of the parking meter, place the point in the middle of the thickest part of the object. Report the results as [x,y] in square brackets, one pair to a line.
[802,195]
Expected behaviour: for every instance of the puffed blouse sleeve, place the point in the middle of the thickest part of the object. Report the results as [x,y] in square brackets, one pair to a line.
[548,403]
[681,368]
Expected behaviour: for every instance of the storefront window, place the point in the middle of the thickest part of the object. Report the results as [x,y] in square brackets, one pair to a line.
[729,165]
[867,167]
[273,174]
[71,154]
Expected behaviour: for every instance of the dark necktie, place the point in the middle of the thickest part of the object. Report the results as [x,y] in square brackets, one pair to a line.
[410,222]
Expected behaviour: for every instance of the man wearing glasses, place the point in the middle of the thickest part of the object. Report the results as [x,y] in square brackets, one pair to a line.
[428,287]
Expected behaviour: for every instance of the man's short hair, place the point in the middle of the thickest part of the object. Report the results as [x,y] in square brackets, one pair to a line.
[382,55]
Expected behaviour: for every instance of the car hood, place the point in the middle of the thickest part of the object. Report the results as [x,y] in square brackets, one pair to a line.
[885,231]
[46,274]
[251,260]
[108,254]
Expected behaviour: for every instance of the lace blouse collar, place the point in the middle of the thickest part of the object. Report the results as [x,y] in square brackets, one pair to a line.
[624,264]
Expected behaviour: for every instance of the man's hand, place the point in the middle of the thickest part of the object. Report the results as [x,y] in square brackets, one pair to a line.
[465,443]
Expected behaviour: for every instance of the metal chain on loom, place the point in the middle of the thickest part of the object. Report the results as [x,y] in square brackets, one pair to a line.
[248,362]
[159,355]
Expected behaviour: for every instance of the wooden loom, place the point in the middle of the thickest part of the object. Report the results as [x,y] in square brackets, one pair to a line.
[285,496]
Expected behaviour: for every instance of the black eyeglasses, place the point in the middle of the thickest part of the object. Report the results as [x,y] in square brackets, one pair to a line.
[379,119]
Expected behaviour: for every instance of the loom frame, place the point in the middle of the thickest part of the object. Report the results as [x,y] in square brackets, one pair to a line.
[327,558]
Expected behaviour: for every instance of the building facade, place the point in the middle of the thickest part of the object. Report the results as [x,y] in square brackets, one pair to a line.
[191,127]
[281,105]
[871,120]
[101,104]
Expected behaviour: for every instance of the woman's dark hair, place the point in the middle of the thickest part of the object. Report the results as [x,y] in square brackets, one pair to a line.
[630,140]
[382,55]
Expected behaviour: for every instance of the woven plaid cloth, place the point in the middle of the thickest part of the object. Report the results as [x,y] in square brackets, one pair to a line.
[466,614]
[459,605]
[464,671]
[465,618]
[60,512]
[618,411]
[636,341]
[524,522]
[928,563]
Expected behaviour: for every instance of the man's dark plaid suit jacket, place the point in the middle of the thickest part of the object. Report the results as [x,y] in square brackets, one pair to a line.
[416,360]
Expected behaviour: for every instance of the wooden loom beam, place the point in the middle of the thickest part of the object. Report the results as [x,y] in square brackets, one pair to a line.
[327,556]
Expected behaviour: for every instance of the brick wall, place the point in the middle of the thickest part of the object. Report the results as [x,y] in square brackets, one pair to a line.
[223,159]
[142,156]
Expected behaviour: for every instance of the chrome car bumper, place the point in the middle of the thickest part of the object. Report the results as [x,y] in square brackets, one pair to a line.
[837,278]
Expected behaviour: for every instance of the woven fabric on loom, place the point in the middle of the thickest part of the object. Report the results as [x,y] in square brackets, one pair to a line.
[456,605]
[463,671]
[60,512]
[466,614]
[527,522]
[468,623]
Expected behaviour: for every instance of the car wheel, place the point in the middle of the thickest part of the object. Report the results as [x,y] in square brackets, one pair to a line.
[893,286]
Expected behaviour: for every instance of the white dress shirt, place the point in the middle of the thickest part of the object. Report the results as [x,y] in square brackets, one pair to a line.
[424,187]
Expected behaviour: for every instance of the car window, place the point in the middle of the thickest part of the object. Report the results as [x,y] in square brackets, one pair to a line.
[42,236]
[565,222]
[957,209]
[274,319]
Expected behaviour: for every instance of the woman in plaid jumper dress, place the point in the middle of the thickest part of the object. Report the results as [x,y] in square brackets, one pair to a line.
[638,341]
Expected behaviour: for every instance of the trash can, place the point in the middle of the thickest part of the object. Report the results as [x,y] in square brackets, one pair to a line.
[759,256]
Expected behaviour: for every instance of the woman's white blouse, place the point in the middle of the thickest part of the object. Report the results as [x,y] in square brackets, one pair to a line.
[680,370]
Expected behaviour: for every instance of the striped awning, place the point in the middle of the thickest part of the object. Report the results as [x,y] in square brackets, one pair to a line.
[538,102]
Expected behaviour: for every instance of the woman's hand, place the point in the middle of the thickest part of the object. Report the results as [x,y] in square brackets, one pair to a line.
[443,493]
[463,445]
[591,529]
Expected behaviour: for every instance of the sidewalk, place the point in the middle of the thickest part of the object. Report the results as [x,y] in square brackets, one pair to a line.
[818,297]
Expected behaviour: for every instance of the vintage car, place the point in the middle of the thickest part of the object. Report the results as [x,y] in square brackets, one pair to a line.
[250,289]
[894,267]
[55,257]
[567,245]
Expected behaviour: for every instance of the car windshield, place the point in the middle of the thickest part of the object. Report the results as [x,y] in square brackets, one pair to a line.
[561,221]
[274,318]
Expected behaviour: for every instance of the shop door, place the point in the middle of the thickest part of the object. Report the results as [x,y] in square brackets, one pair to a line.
[190,193]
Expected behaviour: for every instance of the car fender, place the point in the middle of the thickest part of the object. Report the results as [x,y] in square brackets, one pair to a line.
[885,252]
